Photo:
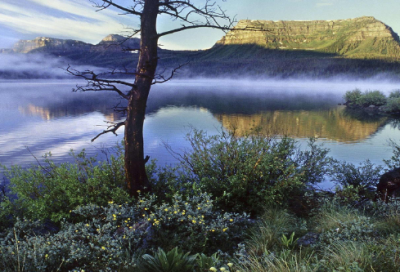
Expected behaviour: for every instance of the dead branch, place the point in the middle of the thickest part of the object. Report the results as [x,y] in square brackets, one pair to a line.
[165,79]
[107,3]
[113,128]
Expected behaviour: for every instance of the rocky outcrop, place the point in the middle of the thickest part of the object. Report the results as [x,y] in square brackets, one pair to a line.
[113,42]
[49,45]
[359,37]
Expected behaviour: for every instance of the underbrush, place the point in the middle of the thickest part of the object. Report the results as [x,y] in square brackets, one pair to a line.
[231,204]
[373,100]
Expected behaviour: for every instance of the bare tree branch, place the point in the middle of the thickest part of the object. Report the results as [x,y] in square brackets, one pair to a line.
[113,128]
[165,79]
[108,3]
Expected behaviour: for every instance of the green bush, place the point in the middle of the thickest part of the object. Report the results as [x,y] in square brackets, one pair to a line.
[394,161]
[50,191]
[365,175]
[193,225]
[394,94]
[392,105]
[247,173]
[352,97]
[369,98]
[114,236]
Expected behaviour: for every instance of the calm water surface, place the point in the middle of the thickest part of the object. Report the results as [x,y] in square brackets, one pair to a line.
[37,117]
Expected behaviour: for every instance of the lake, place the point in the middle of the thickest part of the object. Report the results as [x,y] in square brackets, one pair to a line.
[43,116]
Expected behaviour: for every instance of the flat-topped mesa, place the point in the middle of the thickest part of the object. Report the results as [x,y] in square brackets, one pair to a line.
[49,44]
[115,42]
[351,37]
[111,43]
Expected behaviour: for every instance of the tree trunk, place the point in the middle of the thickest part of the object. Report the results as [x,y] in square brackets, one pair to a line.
[135,172]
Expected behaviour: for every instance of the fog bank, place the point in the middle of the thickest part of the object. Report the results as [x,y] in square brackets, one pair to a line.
[37,66]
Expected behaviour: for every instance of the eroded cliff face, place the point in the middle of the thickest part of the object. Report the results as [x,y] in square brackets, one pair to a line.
[112,42]
[364,36]
[49,44]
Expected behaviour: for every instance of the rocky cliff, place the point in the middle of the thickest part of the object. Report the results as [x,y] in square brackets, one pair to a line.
[113,42]
[50,45]
[363,37]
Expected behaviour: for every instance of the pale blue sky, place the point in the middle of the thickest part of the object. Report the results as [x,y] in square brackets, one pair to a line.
[77,19]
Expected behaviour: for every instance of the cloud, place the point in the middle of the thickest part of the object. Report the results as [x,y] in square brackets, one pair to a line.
[61,19]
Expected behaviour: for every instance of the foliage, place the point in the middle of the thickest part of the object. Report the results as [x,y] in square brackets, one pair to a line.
[290,242]
[172,261]
[392,105]
[115,235]
[394,161]
[369,98]
[204,262]
[267,234]
[361,177]
[352,97]
[248,173]
[360,228]
[394,94]
[203,228]
[356,98]
[50,191]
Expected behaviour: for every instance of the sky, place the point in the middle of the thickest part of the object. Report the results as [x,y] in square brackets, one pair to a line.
[79,19]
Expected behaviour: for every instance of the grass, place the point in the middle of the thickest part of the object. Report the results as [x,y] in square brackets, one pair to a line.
[186,226]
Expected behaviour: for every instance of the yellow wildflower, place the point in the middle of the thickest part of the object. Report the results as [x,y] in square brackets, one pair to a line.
[166,210]
[194,221]
[224,229]
[230,264]
[47,255]
[231,220]
[213,269]
[103,248]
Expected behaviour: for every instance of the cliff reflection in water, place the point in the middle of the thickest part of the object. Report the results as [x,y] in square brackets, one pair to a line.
[337,124]
[74,106]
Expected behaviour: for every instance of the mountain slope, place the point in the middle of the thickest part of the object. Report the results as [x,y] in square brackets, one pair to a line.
[363,37]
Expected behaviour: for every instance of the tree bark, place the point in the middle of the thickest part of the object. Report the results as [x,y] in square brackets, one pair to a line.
[135,171]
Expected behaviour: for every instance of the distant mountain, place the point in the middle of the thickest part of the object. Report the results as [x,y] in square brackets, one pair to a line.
[112,42]
[361,47]
[363,37]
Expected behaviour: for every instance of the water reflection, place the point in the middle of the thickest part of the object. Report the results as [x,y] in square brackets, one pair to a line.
[335,124]
[47,116]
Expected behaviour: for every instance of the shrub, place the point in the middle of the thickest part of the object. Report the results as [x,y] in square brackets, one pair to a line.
[248,173]
[365,175]
[395,94]
[352,97]
[50,191]
[394,161]
[193,225]
[392,105]
[114,236]
[369,98]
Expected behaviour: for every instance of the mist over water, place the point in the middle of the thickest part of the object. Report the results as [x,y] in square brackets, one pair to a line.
[45,115]
[37,66]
